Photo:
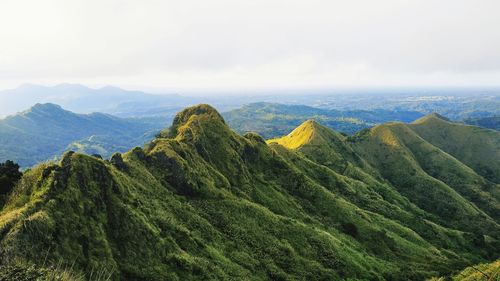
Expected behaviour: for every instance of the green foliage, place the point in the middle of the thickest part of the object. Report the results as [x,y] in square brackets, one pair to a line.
[274,120]
[9,175]
[203,203]
[426,175]
[480,272]
[45,131]
[476,147]
[487,272]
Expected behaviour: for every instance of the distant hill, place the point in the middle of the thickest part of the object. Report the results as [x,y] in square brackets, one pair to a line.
[454,103]
[46,130]
[273,119]
[82,99]
[201,202]
[492,122]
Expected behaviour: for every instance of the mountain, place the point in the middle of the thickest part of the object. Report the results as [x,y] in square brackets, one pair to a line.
[46,130]
[201,202]
[82,99]
[492,122]
[476,147]
[426,175]
[272,119]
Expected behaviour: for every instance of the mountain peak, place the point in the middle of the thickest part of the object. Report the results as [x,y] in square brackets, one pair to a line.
[45,108]
[312,123]
[437,115]
[432,116]
[308,132]
[70,87]
[310,126]
[184,116]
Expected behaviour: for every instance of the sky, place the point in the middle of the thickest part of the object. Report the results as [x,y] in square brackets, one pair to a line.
[252,44]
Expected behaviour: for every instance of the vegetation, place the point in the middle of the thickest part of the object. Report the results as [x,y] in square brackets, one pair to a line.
[481,272]
[273,120]
[456,104]
[487,272]
[478,148]
[9,175]
[492,122]
[45,131]
[201,202]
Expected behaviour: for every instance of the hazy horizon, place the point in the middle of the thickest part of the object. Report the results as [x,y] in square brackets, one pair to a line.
[230,46]
[332,90]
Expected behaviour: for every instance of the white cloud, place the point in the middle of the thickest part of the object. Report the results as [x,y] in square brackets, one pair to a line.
[250,44]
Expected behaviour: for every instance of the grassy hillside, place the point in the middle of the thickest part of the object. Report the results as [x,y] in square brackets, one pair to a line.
[476,147]
[204,203]
[486,272]
[427,175]
[273,120]
[46,130]
[481,272]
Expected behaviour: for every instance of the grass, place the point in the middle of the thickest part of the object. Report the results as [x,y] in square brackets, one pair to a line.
[201,202]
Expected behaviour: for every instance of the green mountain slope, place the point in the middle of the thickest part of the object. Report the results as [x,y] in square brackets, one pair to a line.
[46,130]
[203,203]
[476,147]
[422,173]
[492,122]
[480,272]
[274,120]
[486,272]
[427,175]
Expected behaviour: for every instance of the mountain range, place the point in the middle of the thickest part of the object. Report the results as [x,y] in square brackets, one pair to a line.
[457,104]
[274,119]
[82,99]
[45,131]
[200,202]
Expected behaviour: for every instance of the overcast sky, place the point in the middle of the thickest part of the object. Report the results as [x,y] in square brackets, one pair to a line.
[252,44]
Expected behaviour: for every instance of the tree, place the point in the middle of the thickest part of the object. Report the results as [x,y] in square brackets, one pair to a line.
[9,175]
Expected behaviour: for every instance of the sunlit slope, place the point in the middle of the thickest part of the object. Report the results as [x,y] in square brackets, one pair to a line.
[203,203]
[322,145]
[479,272]
[327,157]
[476,147]
[273,120]
[486,272]
[406,170]
[430,178]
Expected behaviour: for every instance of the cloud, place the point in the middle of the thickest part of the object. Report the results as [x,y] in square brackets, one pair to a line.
[259,43]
